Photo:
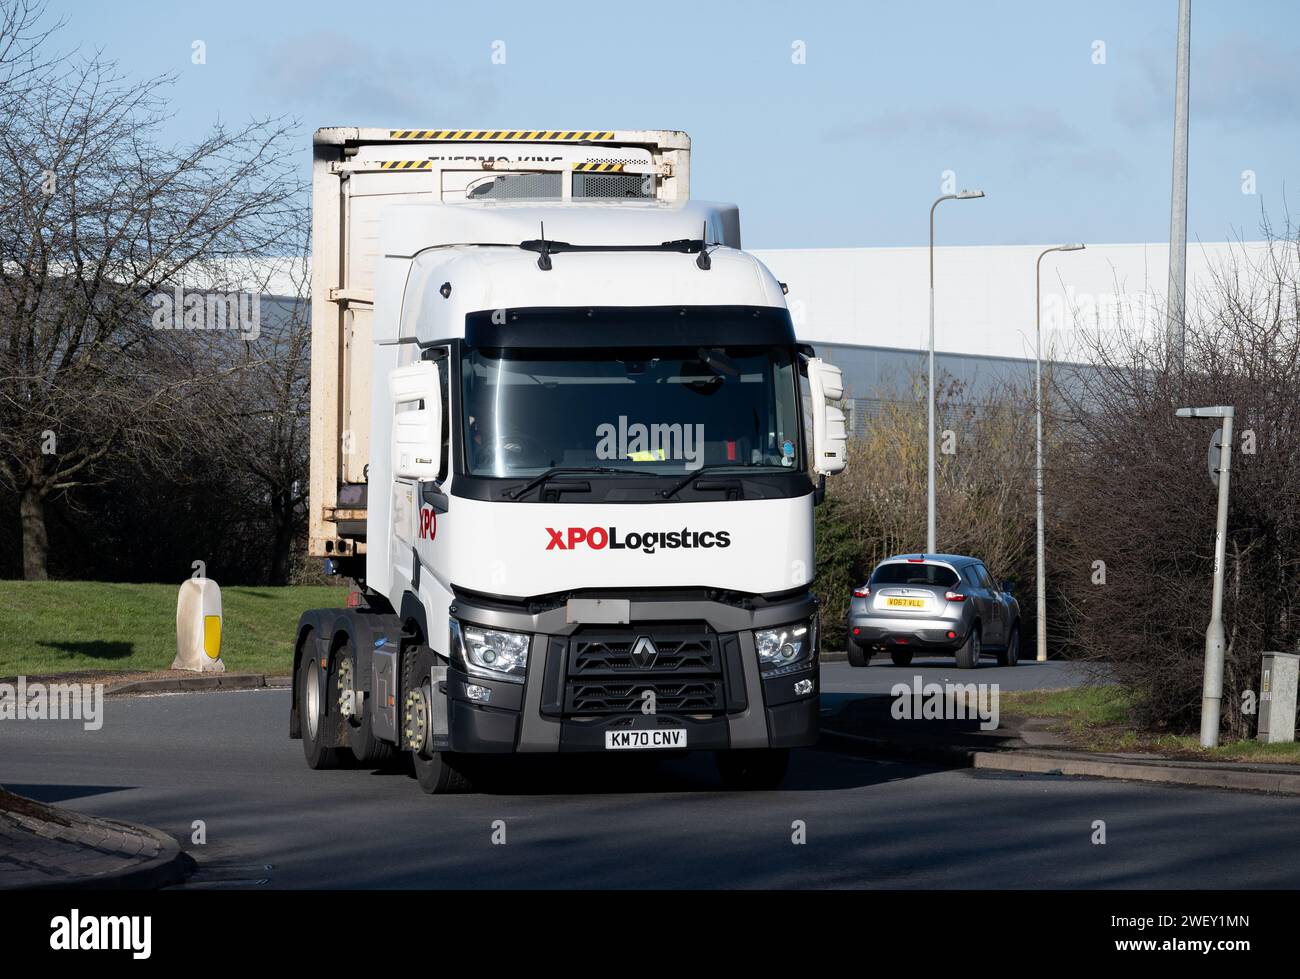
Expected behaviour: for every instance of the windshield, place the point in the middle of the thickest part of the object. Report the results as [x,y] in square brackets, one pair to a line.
[899,573]
[666,411]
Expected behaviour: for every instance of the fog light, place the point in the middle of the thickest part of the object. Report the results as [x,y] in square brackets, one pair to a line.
[952,635]
[803,688]
[474,692]
[857,631]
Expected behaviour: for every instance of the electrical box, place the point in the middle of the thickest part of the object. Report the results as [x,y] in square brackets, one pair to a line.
[1277,696]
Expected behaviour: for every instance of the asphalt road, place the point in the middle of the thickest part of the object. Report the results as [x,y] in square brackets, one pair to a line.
[224,758]
[881,675]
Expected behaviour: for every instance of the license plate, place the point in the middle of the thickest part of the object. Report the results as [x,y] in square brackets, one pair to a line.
[905,602]
[633,740]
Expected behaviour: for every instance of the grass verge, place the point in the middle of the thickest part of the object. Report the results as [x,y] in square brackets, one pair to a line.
[56,627]
[1099,718]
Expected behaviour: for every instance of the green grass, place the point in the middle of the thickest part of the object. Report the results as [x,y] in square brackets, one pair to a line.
[1089,705]
[1098,718]
[74,626]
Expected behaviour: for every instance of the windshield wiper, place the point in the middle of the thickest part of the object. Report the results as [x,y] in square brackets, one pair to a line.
[558,470]
[696,474]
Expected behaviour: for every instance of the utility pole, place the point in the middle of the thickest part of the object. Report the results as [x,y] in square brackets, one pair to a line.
[1177,299]
[1040,584]
[965,195]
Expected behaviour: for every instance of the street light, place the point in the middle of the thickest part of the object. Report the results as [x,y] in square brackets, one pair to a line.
[1040,583]
[964,195]
[1212,684]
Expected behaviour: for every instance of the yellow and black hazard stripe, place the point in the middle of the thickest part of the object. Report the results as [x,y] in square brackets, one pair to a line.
[593,167]
[502,135]
[405,164]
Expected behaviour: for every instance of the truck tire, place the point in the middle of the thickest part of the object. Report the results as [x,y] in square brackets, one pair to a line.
[753,768]
[900,657]
[367,749]
[857,655]
[438,772]
[968,657]
[311,710]
[1010,656]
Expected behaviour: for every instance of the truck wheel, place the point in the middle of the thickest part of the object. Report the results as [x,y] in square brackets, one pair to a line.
[1011,655]
[753,768]
[901,657]
[968,657]
[857,655]
[311,710]
[438,772]
[366,748]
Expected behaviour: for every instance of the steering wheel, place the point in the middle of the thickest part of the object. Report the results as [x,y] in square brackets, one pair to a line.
[519,451]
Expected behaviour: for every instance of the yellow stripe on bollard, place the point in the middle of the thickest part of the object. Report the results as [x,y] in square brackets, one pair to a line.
[212,636]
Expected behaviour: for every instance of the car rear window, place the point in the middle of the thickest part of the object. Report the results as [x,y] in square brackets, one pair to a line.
[914,574]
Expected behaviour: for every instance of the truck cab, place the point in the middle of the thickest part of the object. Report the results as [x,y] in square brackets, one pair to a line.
[594,443]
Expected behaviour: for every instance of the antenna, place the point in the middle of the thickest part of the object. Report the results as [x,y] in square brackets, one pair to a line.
[544,258]
[703,260]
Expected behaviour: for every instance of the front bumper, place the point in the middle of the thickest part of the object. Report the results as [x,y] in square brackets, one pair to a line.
[717,694]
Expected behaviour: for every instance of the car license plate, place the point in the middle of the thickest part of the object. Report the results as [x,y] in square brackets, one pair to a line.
[662,738]
[905,602]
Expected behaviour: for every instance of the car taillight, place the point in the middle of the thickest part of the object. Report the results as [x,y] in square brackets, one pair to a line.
[862,591]
[953,596]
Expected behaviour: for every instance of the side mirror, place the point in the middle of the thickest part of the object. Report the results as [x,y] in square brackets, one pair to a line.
[1009,585]
[416,396]
[830,433]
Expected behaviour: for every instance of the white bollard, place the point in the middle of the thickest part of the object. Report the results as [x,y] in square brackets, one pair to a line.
[198,627]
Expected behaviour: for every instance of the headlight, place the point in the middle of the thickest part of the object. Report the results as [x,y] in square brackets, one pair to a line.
[492,653]
[788,649]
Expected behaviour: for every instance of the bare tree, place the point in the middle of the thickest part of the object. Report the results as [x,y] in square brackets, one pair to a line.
[97,214]
[265,408]
[985,490]
[1135,509]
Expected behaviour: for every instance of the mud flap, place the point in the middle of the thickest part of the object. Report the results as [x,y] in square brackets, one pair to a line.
[383,720]
[439,734]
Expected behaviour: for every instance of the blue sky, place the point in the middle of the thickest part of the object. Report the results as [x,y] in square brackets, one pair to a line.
[846,149]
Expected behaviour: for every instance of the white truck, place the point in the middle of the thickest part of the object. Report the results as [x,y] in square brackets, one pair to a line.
[566,444]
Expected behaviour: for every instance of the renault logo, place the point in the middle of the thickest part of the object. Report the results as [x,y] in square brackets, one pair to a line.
[644,652]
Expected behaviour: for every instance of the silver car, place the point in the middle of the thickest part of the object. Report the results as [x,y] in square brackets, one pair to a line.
[944,603]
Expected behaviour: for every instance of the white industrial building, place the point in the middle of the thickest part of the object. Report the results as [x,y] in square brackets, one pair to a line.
[867,309]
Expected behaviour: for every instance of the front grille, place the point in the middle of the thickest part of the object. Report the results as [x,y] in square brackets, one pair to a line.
[626,697]
[614,655]
[609,671]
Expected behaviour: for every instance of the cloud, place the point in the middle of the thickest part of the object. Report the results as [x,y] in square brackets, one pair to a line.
[376,88]
[1237,80]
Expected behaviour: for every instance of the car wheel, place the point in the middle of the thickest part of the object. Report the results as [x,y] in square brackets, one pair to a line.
[1011,655]
[968,657]
[901,657]
[857,655]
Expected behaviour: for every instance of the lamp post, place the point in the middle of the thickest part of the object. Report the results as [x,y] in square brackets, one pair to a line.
[964,195]
[1040,580]
[1212,683]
